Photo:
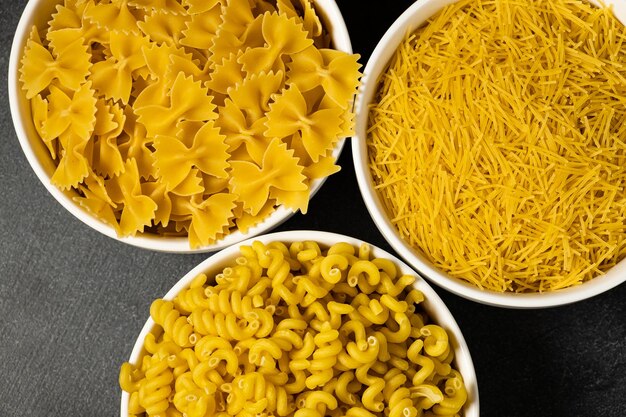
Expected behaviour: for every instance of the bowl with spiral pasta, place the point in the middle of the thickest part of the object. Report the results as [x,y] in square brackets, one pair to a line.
[481,156]
[300,323]
[182,126]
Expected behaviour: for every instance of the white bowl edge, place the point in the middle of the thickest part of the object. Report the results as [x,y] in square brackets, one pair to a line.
[434,305]
[409,21]
[35,151]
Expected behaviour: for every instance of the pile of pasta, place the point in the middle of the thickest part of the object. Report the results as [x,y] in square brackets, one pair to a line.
[188,118]
[497,143]
[296,331]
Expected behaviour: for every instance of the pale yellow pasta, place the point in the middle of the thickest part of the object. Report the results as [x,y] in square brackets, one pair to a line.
[278,333]
[190,96]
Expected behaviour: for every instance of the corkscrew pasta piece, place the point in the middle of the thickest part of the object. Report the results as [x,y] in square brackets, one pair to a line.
[277,333]
[184,89]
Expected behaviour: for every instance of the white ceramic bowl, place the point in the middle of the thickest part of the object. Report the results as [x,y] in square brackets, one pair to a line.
[433,305]
[38,12]
[414,17]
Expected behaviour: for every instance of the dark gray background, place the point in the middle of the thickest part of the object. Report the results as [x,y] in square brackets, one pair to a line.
[72,301]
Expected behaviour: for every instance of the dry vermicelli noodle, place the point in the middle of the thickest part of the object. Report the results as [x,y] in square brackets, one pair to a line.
[497,142]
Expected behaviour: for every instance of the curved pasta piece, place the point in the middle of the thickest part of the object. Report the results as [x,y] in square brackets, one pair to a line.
[208,153]
[201,28]
[188,101]
[138,209]
[283,36]
[75,115]
[201,6]
[114,16]
[279,169]
[151,6]
[238,131]
[253,94]
[337,73]
[69,65]
[163,27]
[289,114]
[113,78]
[73,166]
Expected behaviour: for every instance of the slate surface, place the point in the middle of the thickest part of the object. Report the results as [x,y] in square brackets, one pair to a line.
[73,301]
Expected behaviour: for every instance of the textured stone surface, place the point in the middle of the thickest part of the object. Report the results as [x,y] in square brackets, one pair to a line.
[72,301]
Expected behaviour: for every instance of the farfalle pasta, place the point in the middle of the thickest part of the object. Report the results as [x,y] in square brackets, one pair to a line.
[187,117]
[299,331]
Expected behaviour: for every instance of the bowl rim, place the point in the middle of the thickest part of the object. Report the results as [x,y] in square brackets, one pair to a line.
[173,244]
[434,305]
[407,22]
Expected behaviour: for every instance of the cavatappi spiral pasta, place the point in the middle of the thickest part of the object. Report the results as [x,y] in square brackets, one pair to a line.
[297,331]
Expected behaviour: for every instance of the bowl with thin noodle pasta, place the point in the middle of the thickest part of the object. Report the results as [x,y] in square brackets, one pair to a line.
[157,235]
[213,268]
[419,164]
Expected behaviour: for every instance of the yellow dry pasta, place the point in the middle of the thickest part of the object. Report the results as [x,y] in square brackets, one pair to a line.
[190,96]
[496,142]
[277,332]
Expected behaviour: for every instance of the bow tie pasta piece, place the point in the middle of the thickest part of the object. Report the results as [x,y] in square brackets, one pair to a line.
[209,218]
[283,36]
[280,170]
[188,101]
[76,115]
[163,27]
[244,220]
[253,94]
[173,160]
[113,77]
[73,166]
[337,73]
[234,125]
[293,200]
[113,17]
[69,65]
[138,209]
[289,114]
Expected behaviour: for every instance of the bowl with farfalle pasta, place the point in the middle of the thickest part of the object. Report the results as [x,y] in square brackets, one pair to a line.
[182,125]
[300,323]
